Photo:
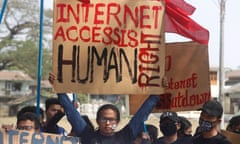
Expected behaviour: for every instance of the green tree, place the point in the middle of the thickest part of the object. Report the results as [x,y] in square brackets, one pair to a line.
[19,38]
[83,98]
[25,58]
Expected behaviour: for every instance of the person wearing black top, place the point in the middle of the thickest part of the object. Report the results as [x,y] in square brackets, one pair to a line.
[186,127]
[54,112]
[28,121]
[108,117]
[148,135]
[234,124]
[209,121]
[169,126]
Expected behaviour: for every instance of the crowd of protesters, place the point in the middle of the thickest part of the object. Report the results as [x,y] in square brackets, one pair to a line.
[174,129]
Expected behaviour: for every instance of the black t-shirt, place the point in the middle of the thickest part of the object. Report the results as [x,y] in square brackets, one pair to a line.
[181,140]
[123,136]
[218,139]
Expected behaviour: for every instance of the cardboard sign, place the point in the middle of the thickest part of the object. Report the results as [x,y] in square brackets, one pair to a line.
[20,137]
[232,137]
[108,47]
[187,71]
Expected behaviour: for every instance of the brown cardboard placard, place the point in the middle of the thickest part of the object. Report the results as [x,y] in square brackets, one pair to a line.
[108,47]
[187,71]
[232,137]
[26,137]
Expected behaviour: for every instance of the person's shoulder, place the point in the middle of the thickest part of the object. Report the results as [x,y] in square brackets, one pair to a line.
[222,139]
[185,140]
[160,138]
[197,139]
[159,141]
[43,128]
[218,139]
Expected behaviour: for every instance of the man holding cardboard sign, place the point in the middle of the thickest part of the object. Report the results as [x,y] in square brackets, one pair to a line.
[108,117]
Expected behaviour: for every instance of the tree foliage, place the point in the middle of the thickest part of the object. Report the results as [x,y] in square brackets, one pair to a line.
[82,98]
[25,58]
[19,38]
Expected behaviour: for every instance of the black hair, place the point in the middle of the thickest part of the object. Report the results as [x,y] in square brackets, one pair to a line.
[152,131]
[29,116]
[31,109]
[51,101]
[108,106]
[185,124]
[233,122]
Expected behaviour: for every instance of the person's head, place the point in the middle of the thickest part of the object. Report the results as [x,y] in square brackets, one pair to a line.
[186,127]
[33,110]
[28,121]
[147,137]
[152,131]
[210,117]
[234,124]
[169,123]
[108,116]
[52,106]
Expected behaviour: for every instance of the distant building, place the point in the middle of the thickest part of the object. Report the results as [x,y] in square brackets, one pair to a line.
[18,89]
[231,88]
[213,76]
[14,83]
[232,91]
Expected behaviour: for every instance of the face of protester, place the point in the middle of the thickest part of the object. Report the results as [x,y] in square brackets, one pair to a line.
[52,110]
[188,131]
[27,125]
[169,127]
[209,122]
[107,122]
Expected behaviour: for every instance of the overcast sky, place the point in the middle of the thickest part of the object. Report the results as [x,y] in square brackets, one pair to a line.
[207,14]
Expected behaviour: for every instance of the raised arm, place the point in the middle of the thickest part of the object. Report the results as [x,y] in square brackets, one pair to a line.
[51,126]
[136,123]
[77,122]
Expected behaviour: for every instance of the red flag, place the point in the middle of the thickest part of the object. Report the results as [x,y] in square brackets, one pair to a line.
[177,21]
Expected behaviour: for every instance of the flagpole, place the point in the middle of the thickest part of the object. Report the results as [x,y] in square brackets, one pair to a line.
[221,58]
[2,10]
[40,59]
